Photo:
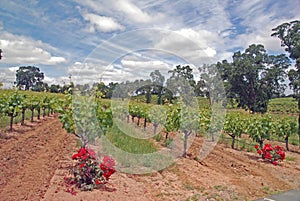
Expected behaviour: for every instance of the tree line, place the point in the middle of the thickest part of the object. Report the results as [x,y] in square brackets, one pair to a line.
[251,79]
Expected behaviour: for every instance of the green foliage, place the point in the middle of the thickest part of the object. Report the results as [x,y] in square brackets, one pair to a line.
[172,122]
[104,116]
[181,83]
[158,81]
[11,105]
[234,126]
[254,77]
[65,109]
[158,137]
[283,105]
[168,142]
[29,76]
[289,34]
[260,128]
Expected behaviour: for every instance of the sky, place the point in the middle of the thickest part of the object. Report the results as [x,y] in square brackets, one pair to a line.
[99,40]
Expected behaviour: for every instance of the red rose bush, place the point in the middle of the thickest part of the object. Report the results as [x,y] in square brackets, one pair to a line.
[88,173]
[271,154]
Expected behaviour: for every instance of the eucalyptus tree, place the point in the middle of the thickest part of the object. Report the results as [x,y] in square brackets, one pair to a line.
[289,34]
[158,83]
[254,77]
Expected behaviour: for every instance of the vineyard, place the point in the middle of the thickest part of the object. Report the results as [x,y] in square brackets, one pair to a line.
[16,106]
[179,130]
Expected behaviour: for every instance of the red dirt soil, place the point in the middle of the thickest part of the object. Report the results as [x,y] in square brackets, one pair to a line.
[36,157]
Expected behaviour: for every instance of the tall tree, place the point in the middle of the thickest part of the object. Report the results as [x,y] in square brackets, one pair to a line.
[144,87]
[158,83]
[182,83]
[212,83]
[54,88]
[289,34]
[28,76]
[254,77]
[111,87]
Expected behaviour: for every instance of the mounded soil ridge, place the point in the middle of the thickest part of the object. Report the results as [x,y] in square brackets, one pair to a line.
[36,157]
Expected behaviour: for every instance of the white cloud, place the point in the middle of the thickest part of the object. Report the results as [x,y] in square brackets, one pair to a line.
[194,46]
[258,18]
[8,76]
[20,49]
[56,80]
[129,68]
[102,23]
[127,11]
[132,11]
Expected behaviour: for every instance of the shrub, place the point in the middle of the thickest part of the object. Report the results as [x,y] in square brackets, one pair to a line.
[88,173]
[271,154]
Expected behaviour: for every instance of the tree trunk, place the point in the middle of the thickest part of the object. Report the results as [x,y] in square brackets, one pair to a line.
[39,113]
[145,124]
[287,143]
[299,120]
[167,135]
[138,121]
[128,118]
[261,144]
[132,119]
[148,97]
[159,95]
[32,114]
[155,128]
[185,143]
[233,140]
[11,122]
[23,116]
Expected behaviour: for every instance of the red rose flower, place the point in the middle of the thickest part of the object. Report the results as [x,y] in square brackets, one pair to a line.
[268,147]
[91,153]
[82,151]
[256,146]
[259,152]
[267,155]
[75,156]
[282,154]
[97,182]
[107,173]
[108,161]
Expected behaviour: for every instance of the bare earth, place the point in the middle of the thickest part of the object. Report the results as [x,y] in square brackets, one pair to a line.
[36,157]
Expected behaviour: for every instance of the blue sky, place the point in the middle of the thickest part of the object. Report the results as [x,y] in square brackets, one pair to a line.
[127,39]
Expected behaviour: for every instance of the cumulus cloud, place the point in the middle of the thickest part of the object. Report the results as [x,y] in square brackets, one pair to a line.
[132,11]
[102,23]
[20,49]
[8,76]
[130,67]
[194,46]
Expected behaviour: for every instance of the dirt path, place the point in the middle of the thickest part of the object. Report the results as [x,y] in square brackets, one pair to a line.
[30,157]
[35,159]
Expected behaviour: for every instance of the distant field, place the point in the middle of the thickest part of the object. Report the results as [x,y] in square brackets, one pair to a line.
[283,105]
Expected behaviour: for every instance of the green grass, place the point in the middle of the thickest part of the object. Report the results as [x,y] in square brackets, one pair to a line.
[134,155]
[6,119]
[290,158]
[128,143]
[283,105]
